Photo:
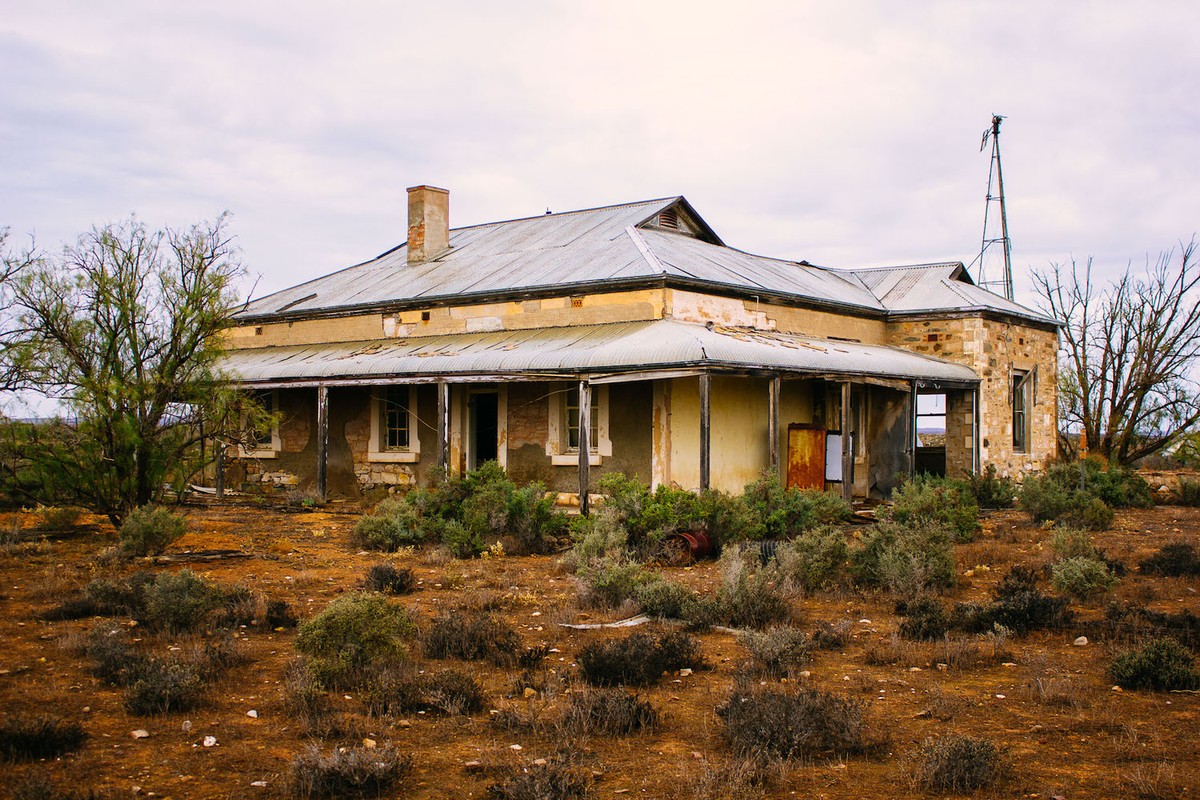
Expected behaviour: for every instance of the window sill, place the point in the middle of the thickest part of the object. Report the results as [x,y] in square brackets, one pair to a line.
[406,457]
[572,459]
[259,454]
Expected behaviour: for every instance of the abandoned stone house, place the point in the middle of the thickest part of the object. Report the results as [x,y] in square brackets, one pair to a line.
[631,338]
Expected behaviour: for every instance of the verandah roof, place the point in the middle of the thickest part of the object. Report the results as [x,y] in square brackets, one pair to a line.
[592,350]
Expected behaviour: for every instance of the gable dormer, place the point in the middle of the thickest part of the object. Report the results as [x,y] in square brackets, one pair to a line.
[680,217]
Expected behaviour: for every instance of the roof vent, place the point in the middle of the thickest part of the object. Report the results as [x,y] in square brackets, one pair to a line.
[669,219]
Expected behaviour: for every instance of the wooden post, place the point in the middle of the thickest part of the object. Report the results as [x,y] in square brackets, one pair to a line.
[913,441]
[322,439]
[705,430]
[847,446]
[975,456]
[773,422]
[443,425]
[585,445]
[219,480]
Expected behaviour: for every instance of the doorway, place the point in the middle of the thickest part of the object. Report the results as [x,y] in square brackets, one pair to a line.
[484,426]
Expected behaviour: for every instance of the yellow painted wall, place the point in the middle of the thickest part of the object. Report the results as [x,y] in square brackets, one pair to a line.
[357,328]
[738,431]
[688,306]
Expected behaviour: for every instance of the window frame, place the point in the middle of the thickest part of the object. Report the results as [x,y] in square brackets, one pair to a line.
[269,445]
[377,451]
[1022,390]
[558,439]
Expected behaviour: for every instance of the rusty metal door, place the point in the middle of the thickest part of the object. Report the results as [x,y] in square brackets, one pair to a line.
[805,456]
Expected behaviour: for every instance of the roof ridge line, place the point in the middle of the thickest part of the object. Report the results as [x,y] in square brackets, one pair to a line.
[572,211]
[644,248]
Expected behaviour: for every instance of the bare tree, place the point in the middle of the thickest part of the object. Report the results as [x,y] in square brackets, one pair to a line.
[125,328]
[12,264]
[1128,354]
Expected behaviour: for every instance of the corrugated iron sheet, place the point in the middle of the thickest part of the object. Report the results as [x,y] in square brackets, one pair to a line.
[656,344]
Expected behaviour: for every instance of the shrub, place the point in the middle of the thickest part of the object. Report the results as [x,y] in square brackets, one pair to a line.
[925,620]
[476,637]
[926,499]
[991,490]
[768,510]
[160,686]
[906,558]
[814,560]
[608,584]
[148,530]
[1082,576]
[1091,513]
[767,723]
[832,635]
[121,597]
[57,518]
[461,541]
[279,615]
[551,779]
[1055,494]
[178,602]
[346,772]
[959,763]
[666,599]
[114,659]
[30,738]
[392,525]
[391,579]
[639,659]
[1162,664]
[1175,559]
[39,787]
[1189,493]
[304,698]
[1183,626]
[778,650]
[748,599]
[1019,607]
[352,633]
[1071,542]
[608,712]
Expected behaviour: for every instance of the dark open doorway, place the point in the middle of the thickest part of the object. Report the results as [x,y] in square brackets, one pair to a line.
[485,428]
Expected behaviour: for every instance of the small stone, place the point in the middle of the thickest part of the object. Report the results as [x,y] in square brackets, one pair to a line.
[1081,641]
[696,754]
[683,673]
[943,667]
[209,741]
[805,673]
[259,784]
[914,669]
[541,762]
[864,622]
[515,747]
[1008,664]
[370,744]
[252,714]
[1117,689]
[405,723]
[530,692]
[473,766]
[186,726]
[140,733]
[999,697]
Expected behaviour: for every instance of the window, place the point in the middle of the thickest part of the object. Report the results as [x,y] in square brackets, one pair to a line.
[1022,389]
[572,422]
[394,424]
[261,441]
[562,441]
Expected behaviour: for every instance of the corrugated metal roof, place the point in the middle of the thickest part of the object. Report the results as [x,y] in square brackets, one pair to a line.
[589,248]
[626,346]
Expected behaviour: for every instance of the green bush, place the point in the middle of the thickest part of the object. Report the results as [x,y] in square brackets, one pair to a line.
[814,560]
[354,632]
[666,599]
[57,518]
[391,579]
[148,530]
[1082,576]
[768,510]
[750,599]
[768,724]
[394,524]
[1071,542]
[992,490]
[905,558]
[1056,494]
[927,499]
[179,602]
[1189,493]
[648,517]
[777,651]
[461,540]
[959,764]
[1019,607]
[1161,665]
[608,584]
[164,685]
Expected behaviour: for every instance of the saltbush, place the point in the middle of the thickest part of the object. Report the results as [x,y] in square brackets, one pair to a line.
[391,579]
[777,651]
[392,525]
[1071,542]
[1189,492]
[1020,606]
[30,738]
[544,779]
[959,764]
[1175,559]
[666,599]
[472,637]
[750,599]
[608,712]
[346,772]
[1056,494]
[924,620]
[57,518]
[926,499]
[768,510]
[608,583]
[164,685]
[640,659]
[907,558]
[178,602]
[148,530]
[768,724]
[814,560]
[991,490]
[1161,665]
[1082,576]
[354,632]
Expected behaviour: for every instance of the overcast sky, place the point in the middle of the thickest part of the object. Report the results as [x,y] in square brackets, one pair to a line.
[843,133]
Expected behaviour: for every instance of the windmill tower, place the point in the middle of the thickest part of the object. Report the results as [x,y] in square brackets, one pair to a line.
[995,269]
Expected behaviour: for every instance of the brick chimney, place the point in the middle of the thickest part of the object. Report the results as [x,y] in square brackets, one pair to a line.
[428,223]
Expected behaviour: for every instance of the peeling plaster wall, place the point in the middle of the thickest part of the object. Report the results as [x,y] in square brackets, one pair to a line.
[689,306]
[739,427]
